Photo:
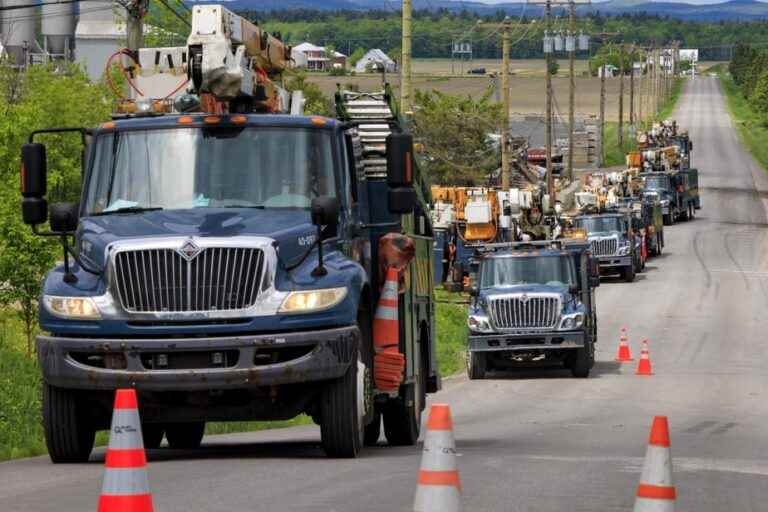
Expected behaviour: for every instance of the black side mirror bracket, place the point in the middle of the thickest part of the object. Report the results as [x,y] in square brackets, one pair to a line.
[325,212]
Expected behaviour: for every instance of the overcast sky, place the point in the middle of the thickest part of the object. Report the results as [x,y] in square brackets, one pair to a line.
[698,2]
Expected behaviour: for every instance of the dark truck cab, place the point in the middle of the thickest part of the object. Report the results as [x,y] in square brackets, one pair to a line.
[613,242]
[678,192]
[227,267]
[533,301]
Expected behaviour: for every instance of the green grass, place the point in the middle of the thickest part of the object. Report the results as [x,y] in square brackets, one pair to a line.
[21,432]
[750,126]
[615,155]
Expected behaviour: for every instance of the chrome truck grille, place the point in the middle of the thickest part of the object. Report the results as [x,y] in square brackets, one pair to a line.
[170,280]
[604,246]
[532,311]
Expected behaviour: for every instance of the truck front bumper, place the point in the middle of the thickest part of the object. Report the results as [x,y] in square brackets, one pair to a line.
[615,261]
[516,342]
[185,364]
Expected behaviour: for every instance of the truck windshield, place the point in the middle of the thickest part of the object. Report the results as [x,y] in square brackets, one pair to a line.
[599,224]
[210,168]
[657,183]
[548,270]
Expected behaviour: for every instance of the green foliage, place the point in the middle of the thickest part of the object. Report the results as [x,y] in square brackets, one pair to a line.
[455,131]
[358,54]
[164,28]
[759,95]
[611,55]
[750,124]
[451,320]
[41,97]
[316,102]
[553,66]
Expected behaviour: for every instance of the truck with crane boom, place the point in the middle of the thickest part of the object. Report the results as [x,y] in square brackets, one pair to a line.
[226,258]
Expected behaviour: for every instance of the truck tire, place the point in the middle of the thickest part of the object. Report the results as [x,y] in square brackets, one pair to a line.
[185,436]
[668,219]
[341,421]
[691,211]
[68,434]
[152,435]
[628,273]
[582,362]
[373,431]
[659,244]
[402,417]
[477,365]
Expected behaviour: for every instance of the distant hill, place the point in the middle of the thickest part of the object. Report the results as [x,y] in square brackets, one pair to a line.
[745,10]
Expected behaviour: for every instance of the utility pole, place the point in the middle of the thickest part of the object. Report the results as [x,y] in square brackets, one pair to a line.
[643,60]
[572,88]
[601,139]
[136,10]
[632,86]
[550,175]
[505,164]
[406,86]
[621,97]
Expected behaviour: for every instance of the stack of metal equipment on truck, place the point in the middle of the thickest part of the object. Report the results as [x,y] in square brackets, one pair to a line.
[533,303]
[228,258]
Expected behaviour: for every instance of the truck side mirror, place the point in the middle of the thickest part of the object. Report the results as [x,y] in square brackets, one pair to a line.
[64,217]
[34,170]
[401,200]
[34,210]
[325,212]
[400,160]
[474,290]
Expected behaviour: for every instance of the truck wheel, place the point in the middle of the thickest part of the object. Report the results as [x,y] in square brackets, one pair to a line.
[691,211]
[668,219]
[628,273]
[152,434]
[68,434]
[185,436]
[659,244]
[582,362]
[477,365]
[373,431]
[341,420]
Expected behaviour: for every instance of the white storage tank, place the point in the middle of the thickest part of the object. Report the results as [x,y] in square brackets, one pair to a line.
[58,28]
[18,28]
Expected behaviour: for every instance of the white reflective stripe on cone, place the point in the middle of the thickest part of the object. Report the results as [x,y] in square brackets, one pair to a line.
[389,291]
[125,482]
[386,313]
[657,468]
[653,505]
[125,432]
[437,498]
[439,452]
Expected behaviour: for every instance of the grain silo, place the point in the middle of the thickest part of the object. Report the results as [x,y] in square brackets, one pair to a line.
[58,29]
[18,29]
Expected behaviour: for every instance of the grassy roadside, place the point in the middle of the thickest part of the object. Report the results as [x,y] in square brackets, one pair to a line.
[750,126]
[615,155]
[21,432]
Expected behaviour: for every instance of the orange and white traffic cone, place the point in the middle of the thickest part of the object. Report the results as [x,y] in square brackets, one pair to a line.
[656,491]
[623,355]
[388,362]
[644,365]
[439,488]
[126,486]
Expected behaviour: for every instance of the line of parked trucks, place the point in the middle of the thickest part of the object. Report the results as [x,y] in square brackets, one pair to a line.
[531,263]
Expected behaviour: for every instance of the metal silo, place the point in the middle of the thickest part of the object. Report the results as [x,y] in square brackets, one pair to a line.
[58,29]
[18,29]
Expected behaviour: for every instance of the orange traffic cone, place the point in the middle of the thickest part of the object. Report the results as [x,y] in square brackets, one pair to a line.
[388,362]
[644,365]
[656,492]
[125,487]
[439,488]
[623,355]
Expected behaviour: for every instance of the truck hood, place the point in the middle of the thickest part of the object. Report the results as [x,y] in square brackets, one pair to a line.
[291,228]
[490,293]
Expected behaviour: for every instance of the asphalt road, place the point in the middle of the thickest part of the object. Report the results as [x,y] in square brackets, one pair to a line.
[542,441]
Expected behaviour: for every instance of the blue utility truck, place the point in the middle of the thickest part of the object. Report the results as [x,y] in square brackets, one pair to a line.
[227,266]
[613,241]
[533,302]
[678,192]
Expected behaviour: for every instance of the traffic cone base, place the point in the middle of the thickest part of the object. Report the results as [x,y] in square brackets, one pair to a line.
[438,486]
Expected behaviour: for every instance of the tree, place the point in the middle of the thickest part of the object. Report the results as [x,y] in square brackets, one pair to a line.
[40,97]
[455,133]
[316,102]
[358,54]
[759,97]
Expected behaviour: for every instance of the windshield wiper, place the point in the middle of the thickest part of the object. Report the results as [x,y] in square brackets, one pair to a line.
[127,209]
[255,207]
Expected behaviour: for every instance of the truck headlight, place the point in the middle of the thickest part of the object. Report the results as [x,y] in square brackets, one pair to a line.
[75,308]
[573,321]
[312,300]
[478,323]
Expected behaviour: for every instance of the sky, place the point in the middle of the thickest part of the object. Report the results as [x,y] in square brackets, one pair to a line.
[696,2]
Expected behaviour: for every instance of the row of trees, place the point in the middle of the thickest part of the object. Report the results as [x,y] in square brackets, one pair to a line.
[434,32]
[749,69]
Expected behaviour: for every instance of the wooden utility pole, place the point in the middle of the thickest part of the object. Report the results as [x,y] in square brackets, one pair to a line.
[550,175]
[620,131]
[641,99]
[572,88]
[632,86]
[601,142]
[136,10]
[406,86]
[505,163]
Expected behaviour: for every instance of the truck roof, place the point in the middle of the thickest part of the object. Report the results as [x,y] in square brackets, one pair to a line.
[562,247]
[198,119]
